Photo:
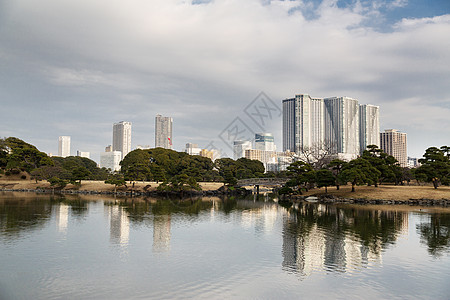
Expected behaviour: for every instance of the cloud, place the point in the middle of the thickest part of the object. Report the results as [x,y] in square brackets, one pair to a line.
[204,61]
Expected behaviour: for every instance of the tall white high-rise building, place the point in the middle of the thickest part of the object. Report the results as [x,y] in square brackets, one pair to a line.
[303,123]
[163,132]
[342,126]
[393,142]
[265,142]
[239,148]
[64,146]
[122,138]
[369,126]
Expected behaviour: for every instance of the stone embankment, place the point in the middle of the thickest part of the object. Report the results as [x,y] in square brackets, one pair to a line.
[330,199]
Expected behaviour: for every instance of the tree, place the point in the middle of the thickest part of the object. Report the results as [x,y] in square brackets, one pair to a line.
[318,155]
[325,178]
[301,173]
[359,171]
[115,179]
[180,183]
[385,163]
[336,166]
[79,174]
[435,166]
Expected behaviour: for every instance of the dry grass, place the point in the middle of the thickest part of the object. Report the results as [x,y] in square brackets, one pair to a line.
[387,192]
[91,185]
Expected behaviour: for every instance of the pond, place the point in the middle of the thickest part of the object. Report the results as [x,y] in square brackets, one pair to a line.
[89,247]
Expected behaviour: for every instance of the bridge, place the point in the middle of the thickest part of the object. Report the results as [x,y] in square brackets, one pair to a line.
[262,181]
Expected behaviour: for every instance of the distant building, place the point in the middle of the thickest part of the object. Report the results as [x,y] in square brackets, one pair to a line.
[413,162]
[64,146]
[122,138]
[108,148]
[342,126]
[83,154]
[303,122]
[192,149]
[143,147]
[369,126]
[163,132]
[111,160]
[239,148]
[266,157]
[211,154]
[393,142]
[338,125]
[265,142]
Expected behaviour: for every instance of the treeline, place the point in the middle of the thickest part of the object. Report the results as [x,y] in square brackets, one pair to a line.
[17,156]
[176,170]
[180,171]
[373,167]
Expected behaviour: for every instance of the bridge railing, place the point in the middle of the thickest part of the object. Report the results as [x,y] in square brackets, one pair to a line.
[262,181]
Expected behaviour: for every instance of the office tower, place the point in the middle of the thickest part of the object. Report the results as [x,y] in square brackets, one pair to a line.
[393,142]
[303,123]
[122,137]
[265,142]
[83,154]
[239,148]
[64,146]
[163,132]
[111,160]
[342,126]
[369,126]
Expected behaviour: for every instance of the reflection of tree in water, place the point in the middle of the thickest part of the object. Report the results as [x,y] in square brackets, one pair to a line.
[22,214]
[78,205]
[436,234]
[317,236]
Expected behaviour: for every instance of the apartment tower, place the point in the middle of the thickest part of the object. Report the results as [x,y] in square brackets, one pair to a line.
[369,126]
[64,146]
[342,126]
[393,142]
[163,132]
[122,138]
[303,122]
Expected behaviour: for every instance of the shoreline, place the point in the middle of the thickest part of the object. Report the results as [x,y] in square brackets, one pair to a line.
[381,195]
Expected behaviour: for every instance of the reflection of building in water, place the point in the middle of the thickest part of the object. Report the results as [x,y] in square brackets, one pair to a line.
[337,244]
[120,225]
[262,217]
[161,233]
[62,216]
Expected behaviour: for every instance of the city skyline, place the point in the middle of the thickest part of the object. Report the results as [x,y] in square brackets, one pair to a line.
[61,78]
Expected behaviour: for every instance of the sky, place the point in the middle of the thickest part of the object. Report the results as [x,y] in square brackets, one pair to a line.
[219,68]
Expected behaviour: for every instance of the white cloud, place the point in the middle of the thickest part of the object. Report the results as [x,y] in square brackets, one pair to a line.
[192,61]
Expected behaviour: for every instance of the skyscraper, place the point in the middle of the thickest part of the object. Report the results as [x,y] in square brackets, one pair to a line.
[303,122]
[369,126]
[265,142]
[122,138]
[393,142]
[64,146]
[163,132]
[342,126]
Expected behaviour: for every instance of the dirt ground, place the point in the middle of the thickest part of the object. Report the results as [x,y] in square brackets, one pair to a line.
[91,185]
[387,192]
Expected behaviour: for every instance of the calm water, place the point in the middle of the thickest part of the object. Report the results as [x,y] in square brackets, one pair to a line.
[100,248]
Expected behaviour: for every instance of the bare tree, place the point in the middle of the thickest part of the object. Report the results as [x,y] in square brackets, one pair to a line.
[318,155]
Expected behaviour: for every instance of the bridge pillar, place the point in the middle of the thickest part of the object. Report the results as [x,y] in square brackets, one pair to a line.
[257,189]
